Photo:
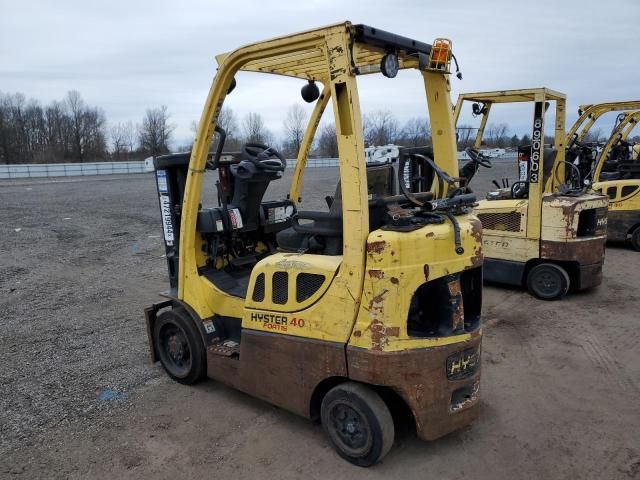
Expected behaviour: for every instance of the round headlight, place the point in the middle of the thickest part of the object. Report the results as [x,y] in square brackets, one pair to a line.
[389,65]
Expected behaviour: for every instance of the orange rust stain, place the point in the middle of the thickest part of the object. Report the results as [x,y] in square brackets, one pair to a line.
[376,247]
[357,333]
[476,229]
[430,234]
[455,293]
[380,334]
[477,258]
[379,331]
[379,274]
[378,299]
[394,280]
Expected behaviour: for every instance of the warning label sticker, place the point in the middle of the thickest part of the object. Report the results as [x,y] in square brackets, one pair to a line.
[161,178]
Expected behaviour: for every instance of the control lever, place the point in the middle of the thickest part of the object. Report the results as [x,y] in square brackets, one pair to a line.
[495,182]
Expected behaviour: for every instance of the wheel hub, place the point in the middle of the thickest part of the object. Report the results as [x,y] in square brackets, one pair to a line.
[546,282]
[176,347]
[351,429]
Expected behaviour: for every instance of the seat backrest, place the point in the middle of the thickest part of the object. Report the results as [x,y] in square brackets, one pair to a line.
[380,182]
[249,187]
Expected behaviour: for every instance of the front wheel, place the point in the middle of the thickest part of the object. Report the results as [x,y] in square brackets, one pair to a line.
[548,281]
[635,239]
[358,423]
[179,346]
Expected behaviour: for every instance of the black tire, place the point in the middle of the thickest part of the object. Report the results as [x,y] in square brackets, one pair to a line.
[179,346]
[358,423]
[635,239]
[548,281]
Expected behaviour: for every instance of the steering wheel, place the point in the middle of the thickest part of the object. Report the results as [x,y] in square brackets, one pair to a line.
[478,157]
[574,176]
[265,157]
[520,191]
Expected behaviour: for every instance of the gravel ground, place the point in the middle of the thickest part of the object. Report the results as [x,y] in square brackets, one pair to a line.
[81,258]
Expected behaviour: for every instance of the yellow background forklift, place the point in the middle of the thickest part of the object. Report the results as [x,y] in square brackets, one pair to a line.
[615,170]
[330,315]
[540,232]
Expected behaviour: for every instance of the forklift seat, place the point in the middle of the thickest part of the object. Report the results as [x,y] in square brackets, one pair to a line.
[606,176]
[324,233]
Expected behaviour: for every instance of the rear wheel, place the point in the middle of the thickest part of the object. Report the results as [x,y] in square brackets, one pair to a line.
[548,281]
[635,239]
[358,423]
[179,346]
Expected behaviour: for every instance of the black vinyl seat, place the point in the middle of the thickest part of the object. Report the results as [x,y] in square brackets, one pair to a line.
[606,176]
[324,233]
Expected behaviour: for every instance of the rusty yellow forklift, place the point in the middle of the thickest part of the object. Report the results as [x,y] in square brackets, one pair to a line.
[331,315]
[582,152]
[616,173]
[542,231]
[610,168]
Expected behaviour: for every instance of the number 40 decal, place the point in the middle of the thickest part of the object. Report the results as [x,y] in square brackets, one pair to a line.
[297,322]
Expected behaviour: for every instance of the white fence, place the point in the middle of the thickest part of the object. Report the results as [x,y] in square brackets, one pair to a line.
[69,169]
[108,168]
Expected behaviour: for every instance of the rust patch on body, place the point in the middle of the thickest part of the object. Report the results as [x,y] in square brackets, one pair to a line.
[379,274]
[379,331]
[476,229]
[394,280]
[357,333]
[418,376]
[430,234]
[376,247]
[426,272]
[585,252]
[477,258]
[455,295]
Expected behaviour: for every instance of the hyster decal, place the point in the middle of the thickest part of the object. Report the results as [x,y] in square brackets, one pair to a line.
[276,322]
[495,243]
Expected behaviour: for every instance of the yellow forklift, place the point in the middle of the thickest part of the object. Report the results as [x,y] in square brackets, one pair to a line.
[542,231]
[616,173]
[582,152]
[337,315]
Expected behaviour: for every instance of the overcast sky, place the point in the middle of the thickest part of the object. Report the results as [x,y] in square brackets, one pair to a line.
[126,56]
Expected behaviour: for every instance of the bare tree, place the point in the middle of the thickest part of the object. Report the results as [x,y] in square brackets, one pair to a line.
[497,134]
[254,130]
[380,128]
[154,134]
[61,131]
[416,132]
[594,135]
[328,141]
[294,127]
[88,139]
[122,138]
[465,135]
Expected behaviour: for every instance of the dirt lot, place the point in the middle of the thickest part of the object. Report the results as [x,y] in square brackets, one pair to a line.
[81,258]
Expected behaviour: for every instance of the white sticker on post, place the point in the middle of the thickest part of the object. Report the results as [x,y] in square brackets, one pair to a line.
[161,177]
[167,224]
[208,326]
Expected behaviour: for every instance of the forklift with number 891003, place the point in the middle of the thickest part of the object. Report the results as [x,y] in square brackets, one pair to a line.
[545,231]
